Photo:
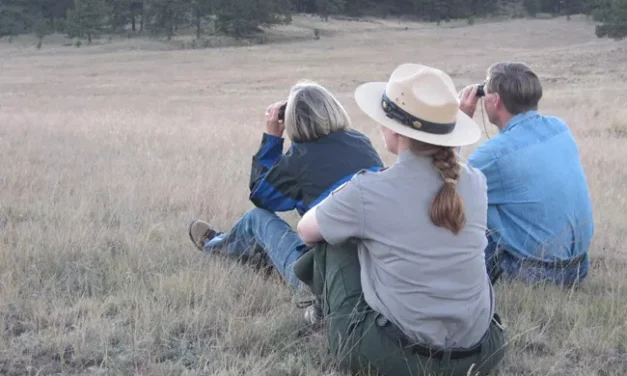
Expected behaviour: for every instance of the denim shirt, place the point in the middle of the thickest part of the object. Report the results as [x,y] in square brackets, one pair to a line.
[539,205]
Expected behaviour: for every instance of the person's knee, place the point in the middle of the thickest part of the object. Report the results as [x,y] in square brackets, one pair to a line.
[257,214]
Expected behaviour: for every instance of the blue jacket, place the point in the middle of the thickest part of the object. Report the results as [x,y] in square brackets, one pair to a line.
[539,206]
[308,171]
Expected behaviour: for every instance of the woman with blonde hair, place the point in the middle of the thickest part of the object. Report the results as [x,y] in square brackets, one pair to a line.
[399,269]
[324,153]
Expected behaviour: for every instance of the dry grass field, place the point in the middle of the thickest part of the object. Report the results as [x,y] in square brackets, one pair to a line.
[107,152]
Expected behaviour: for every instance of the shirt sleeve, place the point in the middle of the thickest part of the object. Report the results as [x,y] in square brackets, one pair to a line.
[269,153]
[273,179]
[340,216]
[483,159]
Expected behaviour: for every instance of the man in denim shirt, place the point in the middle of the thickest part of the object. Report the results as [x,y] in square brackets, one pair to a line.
[540,214]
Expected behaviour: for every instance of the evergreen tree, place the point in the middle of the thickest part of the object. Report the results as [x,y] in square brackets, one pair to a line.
[357,7]
[137,11]
[571,7]
[51,10]
[551,6]
[13,18]
[201,9]
[241,17]
[121,12]
[612,18]
[87,18]
[41,28]
[439,10]
[304,6]
[166,15]
[326,7]
[532,7]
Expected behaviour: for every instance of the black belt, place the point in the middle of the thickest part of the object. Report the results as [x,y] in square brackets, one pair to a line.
[426,351]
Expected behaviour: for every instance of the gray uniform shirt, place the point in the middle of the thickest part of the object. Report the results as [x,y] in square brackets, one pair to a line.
[428,281]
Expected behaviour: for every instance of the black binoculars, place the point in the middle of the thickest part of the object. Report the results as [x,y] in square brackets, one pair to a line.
[282,112]
[480,90]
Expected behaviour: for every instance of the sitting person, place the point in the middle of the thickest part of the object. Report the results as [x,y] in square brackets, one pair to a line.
[325,152]
[539,209]
[399,268]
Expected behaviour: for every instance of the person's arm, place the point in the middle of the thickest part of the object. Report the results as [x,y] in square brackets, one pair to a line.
[277,190]
[468,100]
[338,218]
[482,159]
[269,153]
[308,228]
[273,184]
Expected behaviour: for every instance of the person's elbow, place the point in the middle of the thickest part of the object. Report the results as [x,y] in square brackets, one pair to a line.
[308,228]
[274,201]
[306,232]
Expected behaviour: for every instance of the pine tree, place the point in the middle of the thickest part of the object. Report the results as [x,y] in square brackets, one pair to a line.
[440,10]
[88,18]
[120,15]
[532,7]
[612,18]
[572,7]
[41,28]
[304,6]
[51,10]
[201,9]
[241,17]
[166,15]
[13,18]
[137,11]
[326,7]
[356,7]
[551,6]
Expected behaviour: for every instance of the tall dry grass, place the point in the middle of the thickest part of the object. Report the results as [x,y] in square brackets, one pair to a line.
[106,154]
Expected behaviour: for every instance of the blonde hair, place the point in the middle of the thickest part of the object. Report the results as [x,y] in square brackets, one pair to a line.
[447,208]
[313,112]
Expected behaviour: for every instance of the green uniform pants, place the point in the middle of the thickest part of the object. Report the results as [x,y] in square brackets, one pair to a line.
[363,341]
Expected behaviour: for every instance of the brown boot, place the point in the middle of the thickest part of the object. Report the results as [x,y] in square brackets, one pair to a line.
[200,232]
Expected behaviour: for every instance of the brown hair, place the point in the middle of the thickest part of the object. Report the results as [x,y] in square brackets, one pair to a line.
[517,85]
[447,208]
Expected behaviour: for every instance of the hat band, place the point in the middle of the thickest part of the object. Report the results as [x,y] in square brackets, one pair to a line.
[394,112]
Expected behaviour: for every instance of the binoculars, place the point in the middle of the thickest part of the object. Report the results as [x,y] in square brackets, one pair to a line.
[480,90]
[282,112]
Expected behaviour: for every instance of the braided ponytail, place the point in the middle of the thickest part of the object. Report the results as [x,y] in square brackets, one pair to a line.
[447,209]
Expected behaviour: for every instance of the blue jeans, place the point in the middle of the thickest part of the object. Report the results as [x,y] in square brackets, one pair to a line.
[261,229]
[497,259]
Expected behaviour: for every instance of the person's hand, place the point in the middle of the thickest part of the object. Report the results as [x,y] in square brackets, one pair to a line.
[468,100]
[273,126]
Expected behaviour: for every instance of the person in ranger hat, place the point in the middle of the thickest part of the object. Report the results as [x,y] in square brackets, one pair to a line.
[399,269]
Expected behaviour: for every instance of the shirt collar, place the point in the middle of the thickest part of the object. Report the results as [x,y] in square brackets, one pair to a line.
[408,157]
[519,119]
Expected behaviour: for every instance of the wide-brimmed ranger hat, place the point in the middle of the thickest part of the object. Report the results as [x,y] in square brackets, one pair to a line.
[421,103]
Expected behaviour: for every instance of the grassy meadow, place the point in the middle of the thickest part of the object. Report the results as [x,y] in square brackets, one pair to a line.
[107,152]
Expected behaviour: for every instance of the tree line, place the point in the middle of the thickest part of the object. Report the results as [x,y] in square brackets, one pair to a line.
[89,18]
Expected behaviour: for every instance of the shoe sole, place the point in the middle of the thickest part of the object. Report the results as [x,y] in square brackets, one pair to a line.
[189,230]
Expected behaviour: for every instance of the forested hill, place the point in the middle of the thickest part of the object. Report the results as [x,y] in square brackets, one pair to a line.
[88,18]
